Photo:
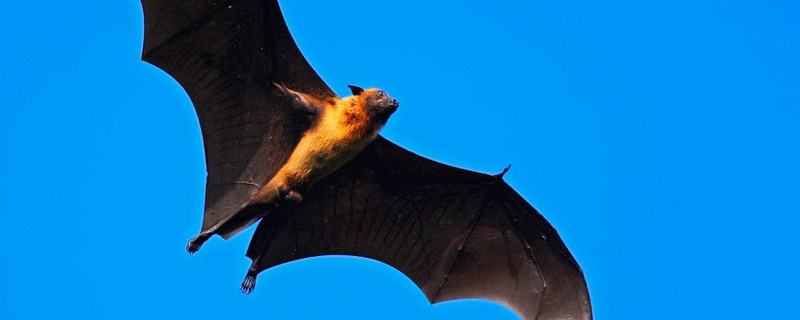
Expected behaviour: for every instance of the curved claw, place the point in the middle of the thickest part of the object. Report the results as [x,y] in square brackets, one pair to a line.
[248,284]
[196,243]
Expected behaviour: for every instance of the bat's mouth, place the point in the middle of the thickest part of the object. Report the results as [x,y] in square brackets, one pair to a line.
[382,112]
[391,107]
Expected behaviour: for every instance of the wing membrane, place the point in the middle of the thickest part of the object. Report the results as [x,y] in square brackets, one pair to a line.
[225,54]
[457,234]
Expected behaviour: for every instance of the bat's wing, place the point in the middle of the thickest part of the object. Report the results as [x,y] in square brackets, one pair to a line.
[224,54]
[457,234]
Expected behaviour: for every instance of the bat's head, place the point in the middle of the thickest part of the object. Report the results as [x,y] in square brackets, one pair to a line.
[378,105]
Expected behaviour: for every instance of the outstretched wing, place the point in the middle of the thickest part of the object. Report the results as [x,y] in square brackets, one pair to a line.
[457,234]
[224,54]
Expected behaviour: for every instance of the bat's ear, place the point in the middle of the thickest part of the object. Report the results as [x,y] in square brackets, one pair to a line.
[356,90]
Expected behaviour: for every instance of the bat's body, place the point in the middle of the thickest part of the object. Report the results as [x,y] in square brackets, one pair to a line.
[342,128]
[456,233]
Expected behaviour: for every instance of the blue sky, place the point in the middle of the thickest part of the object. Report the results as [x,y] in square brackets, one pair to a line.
[660,139]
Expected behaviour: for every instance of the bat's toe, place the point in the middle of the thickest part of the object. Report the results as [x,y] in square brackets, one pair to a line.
[196,243]
[248,284]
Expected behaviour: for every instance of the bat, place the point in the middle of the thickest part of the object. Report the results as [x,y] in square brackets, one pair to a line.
[456,233]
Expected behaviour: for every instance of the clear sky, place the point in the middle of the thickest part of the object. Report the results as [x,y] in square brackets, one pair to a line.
[660,139]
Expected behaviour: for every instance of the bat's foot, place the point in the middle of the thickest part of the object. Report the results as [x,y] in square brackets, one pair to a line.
[249,283]
[196,243]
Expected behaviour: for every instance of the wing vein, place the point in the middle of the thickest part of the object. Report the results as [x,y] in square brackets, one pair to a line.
[489,193]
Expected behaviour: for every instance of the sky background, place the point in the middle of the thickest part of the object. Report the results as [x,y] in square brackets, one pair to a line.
[660,139]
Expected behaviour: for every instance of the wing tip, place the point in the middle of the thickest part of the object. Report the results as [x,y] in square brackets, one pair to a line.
[501,174]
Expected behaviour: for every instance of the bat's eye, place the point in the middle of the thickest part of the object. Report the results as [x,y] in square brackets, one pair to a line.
[381,94]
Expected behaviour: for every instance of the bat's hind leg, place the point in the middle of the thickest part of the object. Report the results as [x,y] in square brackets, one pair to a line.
[278,190]
[259,205]
[247,215]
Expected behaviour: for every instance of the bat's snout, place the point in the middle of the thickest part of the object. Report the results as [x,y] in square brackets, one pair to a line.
[393,105]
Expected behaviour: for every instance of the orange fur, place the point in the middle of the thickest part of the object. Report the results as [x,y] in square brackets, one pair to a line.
[341,132]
